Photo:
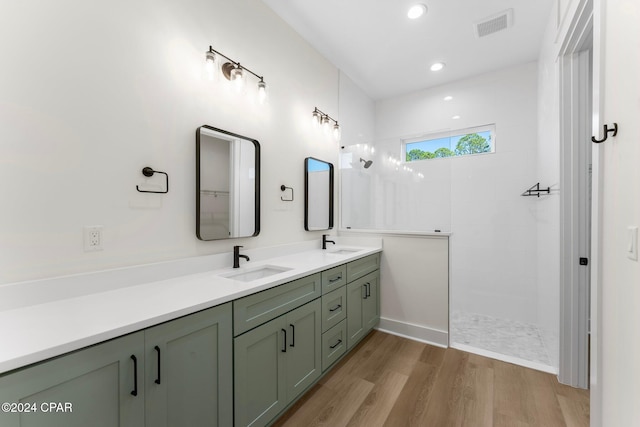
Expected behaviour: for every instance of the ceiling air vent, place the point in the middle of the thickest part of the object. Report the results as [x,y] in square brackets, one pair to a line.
[494,23]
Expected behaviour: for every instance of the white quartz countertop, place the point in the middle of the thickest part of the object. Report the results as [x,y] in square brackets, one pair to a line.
[68,319]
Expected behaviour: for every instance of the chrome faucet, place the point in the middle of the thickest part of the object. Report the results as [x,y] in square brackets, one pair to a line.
[237,256]
[325,241]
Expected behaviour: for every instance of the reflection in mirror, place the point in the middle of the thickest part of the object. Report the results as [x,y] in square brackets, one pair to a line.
[227,185]
[318,194]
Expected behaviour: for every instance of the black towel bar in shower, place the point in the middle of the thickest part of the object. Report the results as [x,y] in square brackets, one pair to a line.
[535,190]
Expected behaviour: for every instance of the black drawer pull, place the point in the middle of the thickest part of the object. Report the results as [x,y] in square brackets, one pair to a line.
[368,290]
[337,307]
[284,344]
[157,381]
[293,336]
[366,293]
[335,279]
[336,344]
[135,375]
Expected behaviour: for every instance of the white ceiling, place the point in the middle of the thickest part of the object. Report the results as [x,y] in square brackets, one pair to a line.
[387,54]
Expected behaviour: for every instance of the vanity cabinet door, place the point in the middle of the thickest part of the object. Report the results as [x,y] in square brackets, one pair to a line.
[355,296]
[275,363]
[259,379]
[91,387]
[189,370]
[304,348]
[371,302]
[363,307]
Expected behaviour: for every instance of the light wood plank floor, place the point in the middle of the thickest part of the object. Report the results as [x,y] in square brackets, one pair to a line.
[395,382]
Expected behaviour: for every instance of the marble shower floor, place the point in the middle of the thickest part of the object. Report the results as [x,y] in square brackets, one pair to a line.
[502,336]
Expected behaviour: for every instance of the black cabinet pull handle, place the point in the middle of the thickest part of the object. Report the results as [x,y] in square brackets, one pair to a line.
[135,375]
[336,344]
[368,289]
[335,308]
[366,294]
[157,381]
[293,336]
[335,279]
[284,346]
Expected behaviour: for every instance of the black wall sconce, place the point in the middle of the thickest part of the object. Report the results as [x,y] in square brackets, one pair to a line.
[148,172]
[234,72]
[320,118]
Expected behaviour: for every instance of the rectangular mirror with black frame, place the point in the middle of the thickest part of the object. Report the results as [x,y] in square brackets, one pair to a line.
[318,194]
[227,185]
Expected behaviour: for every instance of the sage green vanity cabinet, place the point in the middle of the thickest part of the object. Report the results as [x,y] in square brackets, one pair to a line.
[98,383]
[240,363]
[185,381]
[275,362]
[363,307]
[189,370]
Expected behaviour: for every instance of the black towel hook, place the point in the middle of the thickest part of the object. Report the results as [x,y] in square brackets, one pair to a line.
[148,172]
[606,133]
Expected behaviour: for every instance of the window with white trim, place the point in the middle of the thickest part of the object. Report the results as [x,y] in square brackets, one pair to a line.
[462,142]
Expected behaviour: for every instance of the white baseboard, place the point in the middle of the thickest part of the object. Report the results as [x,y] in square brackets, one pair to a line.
[505,358]
[414,332]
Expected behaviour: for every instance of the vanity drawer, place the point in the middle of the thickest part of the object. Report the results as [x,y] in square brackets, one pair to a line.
[256,309]
[360,267]
[334,308]
[334,344]
[334,278]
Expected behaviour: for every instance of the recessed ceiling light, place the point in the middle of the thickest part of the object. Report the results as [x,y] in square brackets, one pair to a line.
[416,11]
[448,98]
[437,66]
[455,117]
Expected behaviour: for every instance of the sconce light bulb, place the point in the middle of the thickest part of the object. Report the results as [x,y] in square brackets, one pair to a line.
[325,124]
[262,91]
[210,64]
[237,77]
[336,132]
[315,118]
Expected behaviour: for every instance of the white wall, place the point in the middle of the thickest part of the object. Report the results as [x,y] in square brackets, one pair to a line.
[617,378]
[94,92]
[494,245]
[357,113]
[414,273]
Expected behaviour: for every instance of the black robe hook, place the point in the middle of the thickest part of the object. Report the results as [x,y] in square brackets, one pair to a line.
[606,133]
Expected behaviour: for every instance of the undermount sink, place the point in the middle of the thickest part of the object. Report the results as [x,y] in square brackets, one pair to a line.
[343,251]
[251,274]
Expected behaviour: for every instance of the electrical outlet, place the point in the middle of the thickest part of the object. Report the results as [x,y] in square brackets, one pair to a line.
[92,238]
